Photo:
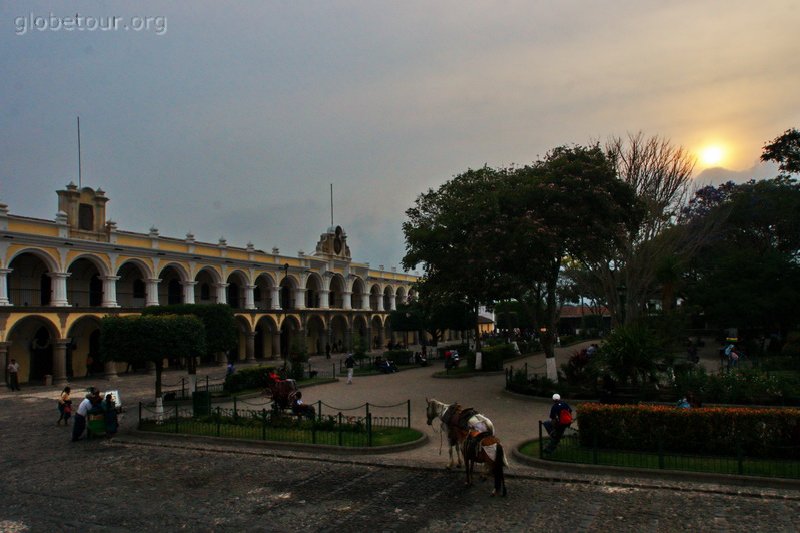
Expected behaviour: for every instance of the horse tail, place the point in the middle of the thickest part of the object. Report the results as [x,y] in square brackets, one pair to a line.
[499,477]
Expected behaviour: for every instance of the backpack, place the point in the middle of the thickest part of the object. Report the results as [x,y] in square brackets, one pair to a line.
[564,416]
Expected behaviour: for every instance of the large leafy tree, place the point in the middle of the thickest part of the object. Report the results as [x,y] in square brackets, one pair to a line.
[218,322]
[453,233]
[568,205]
[151,339]
[490,234]
[748,276]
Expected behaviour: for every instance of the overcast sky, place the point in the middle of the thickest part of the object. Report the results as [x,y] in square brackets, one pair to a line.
[232,119]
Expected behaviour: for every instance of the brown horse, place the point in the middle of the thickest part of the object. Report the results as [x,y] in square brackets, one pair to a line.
[488,451]
[452,417]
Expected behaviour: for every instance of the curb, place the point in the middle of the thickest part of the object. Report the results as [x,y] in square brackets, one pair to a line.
[160,438]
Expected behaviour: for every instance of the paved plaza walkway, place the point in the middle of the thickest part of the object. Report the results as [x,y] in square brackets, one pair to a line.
[137,483]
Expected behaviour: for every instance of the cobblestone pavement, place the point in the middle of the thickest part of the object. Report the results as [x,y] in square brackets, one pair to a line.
[135,484]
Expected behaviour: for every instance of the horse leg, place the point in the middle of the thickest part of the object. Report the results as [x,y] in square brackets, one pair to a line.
[497,468]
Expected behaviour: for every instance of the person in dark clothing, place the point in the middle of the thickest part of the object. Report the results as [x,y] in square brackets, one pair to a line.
[560,420]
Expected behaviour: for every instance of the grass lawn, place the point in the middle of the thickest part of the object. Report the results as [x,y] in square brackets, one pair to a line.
[289,430]
[568,453]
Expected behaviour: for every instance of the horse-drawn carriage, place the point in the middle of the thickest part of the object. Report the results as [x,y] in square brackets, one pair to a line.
[282,393]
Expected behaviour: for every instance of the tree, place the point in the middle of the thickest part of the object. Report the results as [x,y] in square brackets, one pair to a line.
[218,321]
[748,276]
[453,233]
[568,205]
[784,150]
[660,174]
[151,339]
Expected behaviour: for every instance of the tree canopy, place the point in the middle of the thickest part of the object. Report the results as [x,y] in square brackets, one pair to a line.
[151,339]
[784,150]
[493,234]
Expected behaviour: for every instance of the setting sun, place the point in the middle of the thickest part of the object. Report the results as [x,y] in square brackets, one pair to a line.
[711,155]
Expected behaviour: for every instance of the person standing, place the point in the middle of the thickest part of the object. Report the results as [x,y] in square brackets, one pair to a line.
[80,415]
[350,364]
[560,420]
[13,375]
[327,350]
[64,407]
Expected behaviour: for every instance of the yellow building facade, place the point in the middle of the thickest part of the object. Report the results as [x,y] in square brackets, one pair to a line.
[59,277]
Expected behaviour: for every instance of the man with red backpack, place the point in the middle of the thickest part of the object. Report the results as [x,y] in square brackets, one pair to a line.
[560,420]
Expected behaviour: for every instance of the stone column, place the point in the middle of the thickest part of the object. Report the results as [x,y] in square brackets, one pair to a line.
[346,300]
[300,299]
[249,302]
[250,346]
[379,302]
[4,272]
[392,300]
[59,288]
[60,361]
[109,291]
[222,294]
[188,291]
[4,346]
[348,340]
[152,291]
[276,298]
[323,299]
[276,344]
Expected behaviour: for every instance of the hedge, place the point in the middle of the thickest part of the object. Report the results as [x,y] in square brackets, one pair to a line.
[399,357]
[254,377]
[725,431]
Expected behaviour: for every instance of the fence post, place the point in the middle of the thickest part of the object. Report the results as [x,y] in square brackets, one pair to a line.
[264,424]
[183,387]
[340,428]
[333,370]
[206,382]
[313,432]
[319,409]
[740,458]
[408,425]
[177,426]
[219,421]
[541,445]
[235,410]
[367,405]
[369,430]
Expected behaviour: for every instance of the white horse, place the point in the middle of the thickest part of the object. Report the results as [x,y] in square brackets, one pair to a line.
[455,435]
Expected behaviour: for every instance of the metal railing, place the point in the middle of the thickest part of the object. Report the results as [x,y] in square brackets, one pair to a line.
[334,427]
[570,450]
[181,389]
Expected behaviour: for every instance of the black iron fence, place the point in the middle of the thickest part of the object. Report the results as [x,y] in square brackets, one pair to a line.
[351,427]
[182,389]
[570,450]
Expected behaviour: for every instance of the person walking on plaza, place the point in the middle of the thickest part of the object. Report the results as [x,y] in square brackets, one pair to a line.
[13,375]
[560,420]
[350,364]
[64,407]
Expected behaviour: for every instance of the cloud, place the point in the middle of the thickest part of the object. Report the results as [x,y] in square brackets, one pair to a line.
[719,175]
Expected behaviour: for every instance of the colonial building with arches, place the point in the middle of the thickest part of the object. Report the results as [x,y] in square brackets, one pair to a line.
[59,277]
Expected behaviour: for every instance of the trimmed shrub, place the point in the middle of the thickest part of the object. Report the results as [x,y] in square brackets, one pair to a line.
[400,357]
[254,377]
[494,356]
[771,433]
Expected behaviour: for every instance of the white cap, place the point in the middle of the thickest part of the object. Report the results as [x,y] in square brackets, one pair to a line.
[556,397]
